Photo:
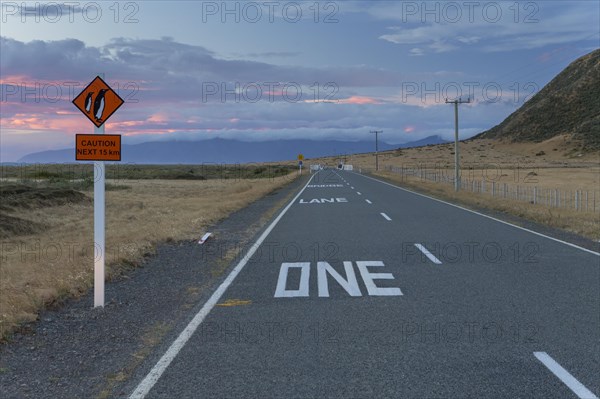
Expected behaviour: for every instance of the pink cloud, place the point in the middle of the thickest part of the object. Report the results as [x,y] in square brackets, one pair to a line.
[359,100]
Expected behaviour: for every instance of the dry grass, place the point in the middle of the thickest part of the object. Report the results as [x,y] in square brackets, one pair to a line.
[37,270]
[586,224]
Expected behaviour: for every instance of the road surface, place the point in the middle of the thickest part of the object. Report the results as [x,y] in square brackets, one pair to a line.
[362,289]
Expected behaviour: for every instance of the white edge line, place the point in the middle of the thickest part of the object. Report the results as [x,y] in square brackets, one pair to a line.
[574,385]
[484,215]
[386,216]
[153,376]
[428,254]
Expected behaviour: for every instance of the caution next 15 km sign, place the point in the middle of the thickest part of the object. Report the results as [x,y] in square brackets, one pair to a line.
[98,147]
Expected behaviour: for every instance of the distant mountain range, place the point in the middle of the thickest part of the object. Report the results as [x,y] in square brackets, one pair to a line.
[569,104]
[229,151]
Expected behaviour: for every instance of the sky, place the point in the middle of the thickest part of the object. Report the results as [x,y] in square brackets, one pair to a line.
[265,70]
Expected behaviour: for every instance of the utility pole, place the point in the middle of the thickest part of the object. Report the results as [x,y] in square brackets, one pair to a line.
[456,158]
[376,132]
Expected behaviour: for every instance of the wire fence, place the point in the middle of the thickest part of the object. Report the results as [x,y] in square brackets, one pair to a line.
[583,200]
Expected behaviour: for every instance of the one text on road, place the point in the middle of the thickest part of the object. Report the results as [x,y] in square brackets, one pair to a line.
[348,283]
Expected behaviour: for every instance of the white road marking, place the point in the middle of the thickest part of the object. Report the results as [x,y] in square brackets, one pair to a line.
[352,188]
[368,278]
[386,216]
[350,284]
[359,193]
[428,254]
[368,202]
[159,368]
[577,387]
[323,201]
[281,291]
[484,215]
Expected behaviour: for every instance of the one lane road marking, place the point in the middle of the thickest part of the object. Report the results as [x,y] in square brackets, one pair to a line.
[159,368]
[368,202]
[577,387]
[386,216]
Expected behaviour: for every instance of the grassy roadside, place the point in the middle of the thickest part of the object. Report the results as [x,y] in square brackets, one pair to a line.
[50,255]
[586,224]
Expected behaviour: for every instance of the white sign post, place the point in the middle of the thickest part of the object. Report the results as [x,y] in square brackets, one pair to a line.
[99,231]
[98,102]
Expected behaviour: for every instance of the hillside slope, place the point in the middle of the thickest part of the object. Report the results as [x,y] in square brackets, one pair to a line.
[569,104]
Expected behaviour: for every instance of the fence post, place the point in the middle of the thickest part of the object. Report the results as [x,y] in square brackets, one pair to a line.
[534,195]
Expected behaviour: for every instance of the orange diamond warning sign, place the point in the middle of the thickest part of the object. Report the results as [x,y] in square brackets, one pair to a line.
[98,101]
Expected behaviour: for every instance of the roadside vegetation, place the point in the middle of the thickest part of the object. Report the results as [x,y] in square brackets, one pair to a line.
[46,222]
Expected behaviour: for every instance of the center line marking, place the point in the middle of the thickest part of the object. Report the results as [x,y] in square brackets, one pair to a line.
[358,192]
[428,254]
[577,387]
[352,187]
[386,216]
[368,202]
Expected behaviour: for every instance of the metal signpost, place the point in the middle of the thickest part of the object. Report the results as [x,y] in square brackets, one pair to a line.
[98,102]
[300,159]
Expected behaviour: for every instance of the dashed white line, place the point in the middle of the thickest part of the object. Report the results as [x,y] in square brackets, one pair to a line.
[386,216]
[352,187]
[484,215]
[368,202]
[153,376]
[577,387]
[428,254]
[359,193]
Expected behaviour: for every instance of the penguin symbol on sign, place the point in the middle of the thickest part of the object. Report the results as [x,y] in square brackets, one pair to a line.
[99,103]
[88,102]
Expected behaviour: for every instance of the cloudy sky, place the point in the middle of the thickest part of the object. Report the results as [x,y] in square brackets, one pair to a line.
[195,70]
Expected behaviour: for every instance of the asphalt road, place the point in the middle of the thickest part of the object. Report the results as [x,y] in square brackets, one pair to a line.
[361,289]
